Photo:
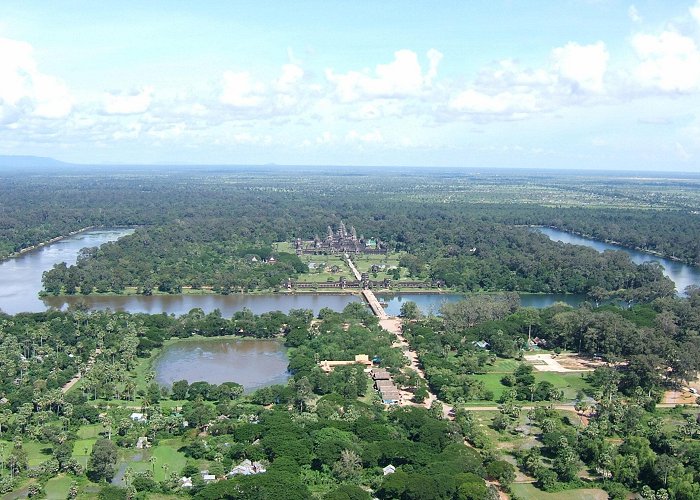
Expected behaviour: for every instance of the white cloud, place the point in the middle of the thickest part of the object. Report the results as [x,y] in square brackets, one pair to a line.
[473,101]
[128,104]
[131,132]
[508,91]
[669,62]
[373,137]
[26,91]
[290,77]
[695,12]
[325,138]
[239,90]
[633,14]
[582,65]
[403,77]
[681,152]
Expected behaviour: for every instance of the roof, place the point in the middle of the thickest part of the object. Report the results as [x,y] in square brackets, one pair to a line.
[380,374]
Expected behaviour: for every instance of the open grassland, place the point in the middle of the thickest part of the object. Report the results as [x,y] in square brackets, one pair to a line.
[569,383]
[529,492]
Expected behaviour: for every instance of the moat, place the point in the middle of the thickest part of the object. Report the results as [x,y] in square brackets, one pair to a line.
[20,280]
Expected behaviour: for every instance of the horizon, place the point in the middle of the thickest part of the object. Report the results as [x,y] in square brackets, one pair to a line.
[48,163]
[582,85]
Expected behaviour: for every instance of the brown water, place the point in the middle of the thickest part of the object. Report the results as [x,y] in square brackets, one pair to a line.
[227,304]
[252,363]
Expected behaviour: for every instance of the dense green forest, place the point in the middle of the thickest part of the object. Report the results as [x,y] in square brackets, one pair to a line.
[203,229]
[657,214]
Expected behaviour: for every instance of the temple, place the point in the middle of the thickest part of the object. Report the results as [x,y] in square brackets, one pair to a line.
[340,241]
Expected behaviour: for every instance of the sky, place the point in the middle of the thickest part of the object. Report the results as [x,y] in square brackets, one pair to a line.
[585,84]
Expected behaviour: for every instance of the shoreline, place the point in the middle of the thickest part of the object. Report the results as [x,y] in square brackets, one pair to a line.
[42,244]
[617,243]
[207,292]
[14,255]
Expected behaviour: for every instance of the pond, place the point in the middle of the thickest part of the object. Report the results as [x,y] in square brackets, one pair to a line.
[253,363]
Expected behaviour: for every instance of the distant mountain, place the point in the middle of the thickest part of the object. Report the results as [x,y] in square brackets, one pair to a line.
[29,161]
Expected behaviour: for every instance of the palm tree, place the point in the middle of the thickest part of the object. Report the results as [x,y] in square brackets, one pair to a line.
[153,461]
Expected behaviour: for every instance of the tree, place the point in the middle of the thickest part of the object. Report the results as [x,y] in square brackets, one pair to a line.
[102,461]
[410,310]
[349,465]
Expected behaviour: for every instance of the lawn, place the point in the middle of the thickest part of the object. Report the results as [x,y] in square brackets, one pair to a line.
[529,492]
[165,453]
[82,449]
[57,487]
[36,452]
[503,366]
[570,383]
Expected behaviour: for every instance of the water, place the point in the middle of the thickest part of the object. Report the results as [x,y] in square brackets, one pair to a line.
[253,363]
[682,275]
[20,283]
[431,303]
[227,304]
[20,277]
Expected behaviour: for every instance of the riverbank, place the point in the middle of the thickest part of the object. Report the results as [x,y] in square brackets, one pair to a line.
[132,291]
[14,255]
[620,244]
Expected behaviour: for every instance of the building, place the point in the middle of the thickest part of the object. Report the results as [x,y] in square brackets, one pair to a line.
[340,241]
[361,359]
[247,468]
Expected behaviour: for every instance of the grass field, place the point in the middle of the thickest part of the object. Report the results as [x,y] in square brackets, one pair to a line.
[57,487]
[165,453]
[529,492]
[37,452]
[570,383]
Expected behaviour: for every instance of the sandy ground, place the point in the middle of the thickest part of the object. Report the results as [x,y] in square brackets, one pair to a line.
[563,363]
[679,398]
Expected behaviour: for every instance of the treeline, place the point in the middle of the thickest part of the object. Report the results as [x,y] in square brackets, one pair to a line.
[38,206]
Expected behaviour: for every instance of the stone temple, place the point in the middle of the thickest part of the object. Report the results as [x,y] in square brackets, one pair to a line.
[340,241]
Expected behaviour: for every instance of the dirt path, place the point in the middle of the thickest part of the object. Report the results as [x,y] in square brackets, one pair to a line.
[67,387]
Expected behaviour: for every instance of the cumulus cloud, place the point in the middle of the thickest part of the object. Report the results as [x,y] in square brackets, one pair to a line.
[669,62]
[695,12]
[241,91]
[128,104]
[583,66]
[473,101]
[508,91]
[26,91]
[372,137]
[402,77]
[633,14]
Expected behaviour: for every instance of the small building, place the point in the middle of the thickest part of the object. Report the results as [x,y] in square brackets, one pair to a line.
[142,443]
[481,344]
[208,478]
[247,468]
[380,374]
[360,359]
[391,397]
[389,469]
[138,417]
[185,482]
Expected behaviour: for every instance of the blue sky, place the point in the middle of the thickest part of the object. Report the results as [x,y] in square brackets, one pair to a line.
[600,84]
